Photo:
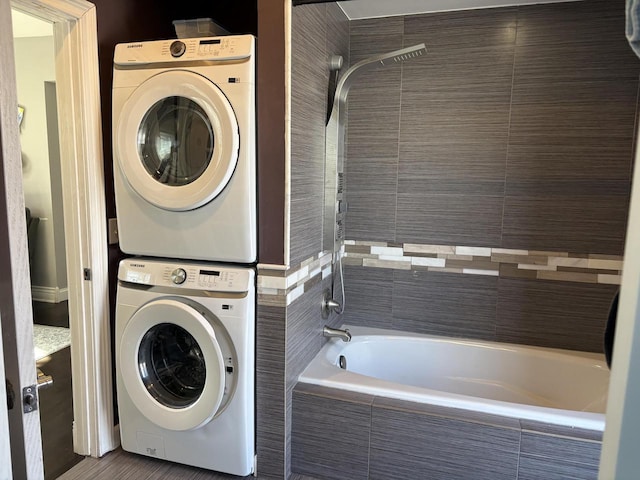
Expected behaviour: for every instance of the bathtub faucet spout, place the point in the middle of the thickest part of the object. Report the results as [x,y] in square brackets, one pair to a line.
[343,335]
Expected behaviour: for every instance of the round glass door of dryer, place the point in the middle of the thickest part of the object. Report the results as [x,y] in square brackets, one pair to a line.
[177,140]
[177,364]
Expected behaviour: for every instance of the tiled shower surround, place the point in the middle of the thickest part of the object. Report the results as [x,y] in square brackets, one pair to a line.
[514,133]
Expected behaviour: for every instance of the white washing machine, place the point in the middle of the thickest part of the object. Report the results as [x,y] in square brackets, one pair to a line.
[184,148]
[185,363]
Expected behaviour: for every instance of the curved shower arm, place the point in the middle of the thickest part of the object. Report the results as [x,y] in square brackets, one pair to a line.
[385,59]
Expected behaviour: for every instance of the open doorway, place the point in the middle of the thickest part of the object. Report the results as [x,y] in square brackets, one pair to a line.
[76,67]
[42,185]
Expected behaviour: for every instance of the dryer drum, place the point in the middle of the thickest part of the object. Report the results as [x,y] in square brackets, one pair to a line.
[175,141]
[172,365]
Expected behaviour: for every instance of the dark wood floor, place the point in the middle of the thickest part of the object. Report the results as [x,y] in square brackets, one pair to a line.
[123,465]
[56,404]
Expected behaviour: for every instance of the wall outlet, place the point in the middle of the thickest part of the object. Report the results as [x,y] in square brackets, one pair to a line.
[113,231]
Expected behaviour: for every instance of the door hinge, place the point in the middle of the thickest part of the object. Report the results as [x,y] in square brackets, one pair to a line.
[87,273]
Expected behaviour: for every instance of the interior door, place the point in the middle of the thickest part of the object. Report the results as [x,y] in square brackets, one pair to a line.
[5,449]
[15,292]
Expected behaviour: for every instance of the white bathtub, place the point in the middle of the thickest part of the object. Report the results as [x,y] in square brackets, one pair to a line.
[562,387]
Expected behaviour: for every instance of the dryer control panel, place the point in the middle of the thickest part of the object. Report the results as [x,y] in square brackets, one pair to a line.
[228,48]
[187,275]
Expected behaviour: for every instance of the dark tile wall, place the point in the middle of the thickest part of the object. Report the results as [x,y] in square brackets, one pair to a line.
[270,390]
[534,312]
[318,32]
[396,439]
[289,337]
[516,130]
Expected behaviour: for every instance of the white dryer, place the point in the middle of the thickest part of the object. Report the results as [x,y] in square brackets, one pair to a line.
[184,148]
[185,363]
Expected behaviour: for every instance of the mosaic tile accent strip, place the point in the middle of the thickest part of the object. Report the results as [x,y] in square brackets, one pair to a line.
[497,262]
[280,288]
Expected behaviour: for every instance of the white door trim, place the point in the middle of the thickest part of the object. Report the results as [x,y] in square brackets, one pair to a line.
[80,124]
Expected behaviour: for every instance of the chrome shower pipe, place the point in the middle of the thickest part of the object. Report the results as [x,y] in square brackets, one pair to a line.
[334,137]
[334,204]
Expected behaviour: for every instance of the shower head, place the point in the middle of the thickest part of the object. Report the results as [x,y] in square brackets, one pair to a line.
[385,59]
[399,56]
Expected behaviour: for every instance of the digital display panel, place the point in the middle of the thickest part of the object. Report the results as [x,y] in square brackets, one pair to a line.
[214,273]
[215,41]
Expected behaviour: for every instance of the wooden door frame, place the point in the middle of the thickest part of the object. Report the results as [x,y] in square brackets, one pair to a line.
[80,126]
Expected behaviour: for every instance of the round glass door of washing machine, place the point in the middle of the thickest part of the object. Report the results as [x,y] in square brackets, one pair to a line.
[177,364]
[177,140]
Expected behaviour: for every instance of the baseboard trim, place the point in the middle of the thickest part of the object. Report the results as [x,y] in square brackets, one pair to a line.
[49,294]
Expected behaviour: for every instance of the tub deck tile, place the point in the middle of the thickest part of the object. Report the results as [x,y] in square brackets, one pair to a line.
[560,430]
[536,468]
[334,393]
[330,437]
[446,412]
[404,443]
[561,448]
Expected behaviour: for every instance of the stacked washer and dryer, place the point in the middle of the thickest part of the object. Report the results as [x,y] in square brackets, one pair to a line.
[185,176]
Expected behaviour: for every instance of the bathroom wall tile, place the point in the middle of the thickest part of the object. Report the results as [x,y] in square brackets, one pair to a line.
[466,94]
[317,449]
[369,174]
[445,304]
[464,83]
[592,21]
[374,114]
[271,462]
[270,385]
[374,99]
[304,332]
[270,338]
[513,271]
[567,276]
[310,78]
[481,28]
[567,223]
[561,448]
[369,294]
[553,314]
[371,215]
[572,127]
[270,409]
[570,137]
[374,36]
[560,430]
[460,414]
[404,443]
[337,33]
[448,167]
[535,468]
[334,393]
[449,219]
[297,476]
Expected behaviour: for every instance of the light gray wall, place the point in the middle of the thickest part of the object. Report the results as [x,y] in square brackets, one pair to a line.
[35,65]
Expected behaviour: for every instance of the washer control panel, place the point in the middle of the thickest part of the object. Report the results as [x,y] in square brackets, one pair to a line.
[232,47]
[188,275]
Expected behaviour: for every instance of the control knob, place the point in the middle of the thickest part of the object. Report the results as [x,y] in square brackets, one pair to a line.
[177,48]
[178,276]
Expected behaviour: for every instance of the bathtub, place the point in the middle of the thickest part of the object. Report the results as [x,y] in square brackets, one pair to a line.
[553,386]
